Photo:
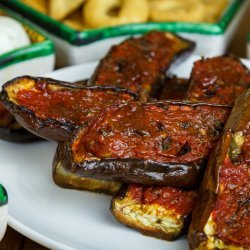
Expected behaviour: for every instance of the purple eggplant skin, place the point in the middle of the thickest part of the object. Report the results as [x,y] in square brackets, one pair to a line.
[175,174]
[49,128]
[238,122]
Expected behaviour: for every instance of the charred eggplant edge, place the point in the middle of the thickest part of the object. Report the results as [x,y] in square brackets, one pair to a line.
[157,233]
[180,175]
[210,183]
[50,129]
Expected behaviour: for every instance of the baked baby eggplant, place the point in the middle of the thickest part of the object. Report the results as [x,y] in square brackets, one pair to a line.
[218,80]
[156,211]
[140,64]
[159,143]
[53,109]
[221,218]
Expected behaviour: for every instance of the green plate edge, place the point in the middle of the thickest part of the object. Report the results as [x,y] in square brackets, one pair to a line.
[3,196]
[31,51]
[79,38]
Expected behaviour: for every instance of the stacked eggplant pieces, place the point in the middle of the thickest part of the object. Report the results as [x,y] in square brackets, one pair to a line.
[114,131]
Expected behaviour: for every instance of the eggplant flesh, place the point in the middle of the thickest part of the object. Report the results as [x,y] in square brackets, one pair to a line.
[155,218]
[50,108]
[221,217]
[73,157]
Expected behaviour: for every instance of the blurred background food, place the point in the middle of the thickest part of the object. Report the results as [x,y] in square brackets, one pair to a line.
[12,35]
[86,14]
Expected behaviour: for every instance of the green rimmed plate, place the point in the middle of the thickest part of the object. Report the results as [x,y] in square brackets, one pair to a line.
[80,46]
[28,59]
[3,210]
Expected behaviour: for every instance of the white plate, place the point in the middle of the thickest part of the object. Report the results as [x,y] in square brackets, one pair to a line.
[60,218]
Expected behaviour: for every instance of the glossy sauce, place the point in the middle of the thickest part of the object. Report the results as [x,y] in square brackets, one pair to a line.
[137,64]
[162,133]
[182,202]
[67,104]
[218,80]
[232,208]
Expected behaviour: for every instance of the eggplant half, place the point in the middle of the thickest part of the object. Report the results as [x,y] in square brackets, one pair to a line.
[53,109]
[221,218]
[162,212]
[218,80]
[158,143]
[140,64]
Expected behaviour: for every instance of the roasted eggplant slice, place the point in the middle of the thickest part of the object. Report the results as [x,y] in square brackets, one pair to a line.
[218,80]
[140,64]
[174,88]
[163,143]
[10,130]
[221,219]
[53,109]
[161,212]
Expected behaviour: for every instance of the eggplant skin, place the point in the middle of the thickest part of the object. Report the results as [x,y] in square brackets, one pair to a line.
[67,179]
[149,219]
[175,174]
[47,128]
[203,231]
[131,170]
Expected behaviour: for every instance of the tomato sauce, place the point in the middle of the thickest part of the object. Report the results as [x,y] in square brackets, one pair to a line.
[180,201]
[158,132]
[138,63]
[67,104]
[232,208]
[218,80]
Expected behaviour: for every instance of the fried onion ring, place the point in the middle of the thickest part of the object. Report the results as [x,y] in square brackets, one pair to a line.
[98,13]
[176,10]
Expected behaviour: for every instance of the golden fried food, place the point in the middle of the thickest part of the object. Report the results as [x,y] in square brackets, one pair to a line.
[39,5]
[59,9]
[214,9]
[177,10]
[74,20]
[89,14]
[99,13]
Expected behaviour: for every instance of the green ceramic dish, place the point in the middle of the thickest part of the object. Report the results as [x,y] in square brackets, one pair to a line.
[3,210]
[88,36]
[40,44]
[75,47]
[3,196]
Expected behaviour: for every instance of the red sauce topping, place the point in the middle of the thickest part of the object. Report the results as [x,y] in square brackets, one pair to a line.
[218,80]
[67,104]
[180,201]
[138,63]
[162,133]
[232,208]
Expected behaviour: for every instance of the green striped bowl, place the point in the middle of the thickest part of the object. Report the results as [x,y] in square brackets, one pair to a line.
[81,46]
[28,59]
